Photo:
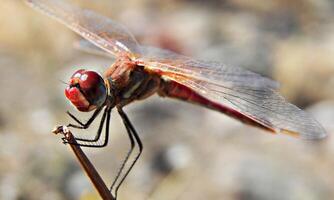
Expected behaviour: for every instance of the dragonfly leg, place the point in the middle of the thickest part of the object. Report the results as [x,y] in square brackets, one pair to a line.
[132,143]
[132,134]
[91,142]
[89,121]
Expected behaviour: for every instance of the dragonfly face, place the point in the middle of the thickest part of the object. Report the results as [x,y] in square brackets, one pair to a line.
[86,90]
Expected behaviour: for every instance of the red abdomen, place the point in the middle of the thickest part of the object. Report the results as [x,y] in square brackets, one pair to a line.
[175,90]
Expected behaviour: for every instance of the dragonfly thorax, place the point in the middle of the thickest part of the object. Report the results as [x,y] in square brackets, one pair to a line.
[86,90]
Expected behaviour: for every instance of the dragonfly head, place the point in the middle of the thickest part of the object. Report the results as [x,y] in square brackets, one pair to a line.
[86,90]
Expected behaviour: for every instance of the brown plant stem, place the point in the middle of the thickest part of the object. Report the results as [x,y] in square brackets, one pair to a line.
[85,163]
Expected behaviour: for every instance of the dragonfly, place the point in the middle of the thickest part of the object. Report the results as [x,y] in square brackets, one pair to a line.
[140,71]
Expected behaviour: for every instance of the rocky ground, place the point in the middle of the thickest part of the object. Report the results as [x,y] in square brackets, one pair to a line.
[190,152]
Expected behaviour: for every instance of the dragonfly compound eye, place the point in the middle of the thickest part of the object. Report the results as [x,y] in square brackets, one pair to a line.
[86,90]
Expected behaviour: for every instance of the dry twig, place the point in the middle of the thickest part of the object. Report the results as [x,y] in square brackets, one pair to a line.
[85,163]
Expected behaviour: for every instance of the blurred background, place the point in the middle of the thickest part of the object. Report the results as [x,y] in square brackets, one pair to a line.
[189,152]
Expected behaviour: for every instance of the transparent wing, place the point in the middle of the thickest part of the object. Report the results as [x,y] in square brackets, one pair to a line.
[251,94]
[263,105]
[88,47]
[100,30]
[213,72]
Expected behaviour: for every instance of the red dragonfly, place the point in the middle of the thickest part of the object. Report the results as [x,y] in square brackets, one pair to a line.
[141,71]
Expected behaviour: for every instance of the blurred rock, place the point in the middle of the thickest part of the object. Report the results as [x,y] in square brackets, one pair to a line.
[78,185]
[3,121]
[174,158]
[8,187]
[300,64]
[323,111]
[41,121]
[198,153]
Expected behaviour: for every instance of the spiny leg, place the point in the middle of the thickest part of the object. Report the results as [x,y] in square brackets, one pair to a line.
[89,121]
[90,142]
[86,125]
[132,143]
[133,132]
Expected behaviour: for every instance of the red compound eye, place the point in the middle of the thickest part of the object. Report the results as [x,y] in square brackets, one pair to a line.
[87,90]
